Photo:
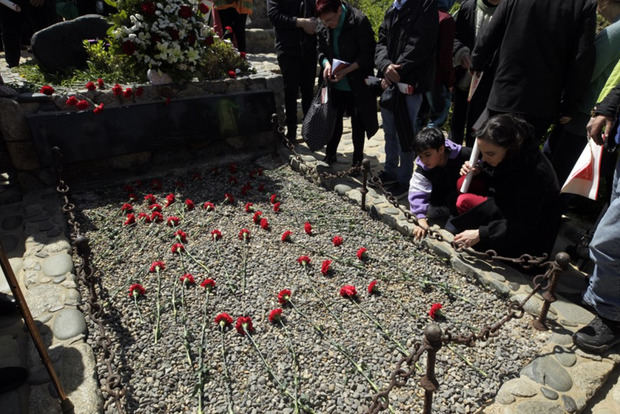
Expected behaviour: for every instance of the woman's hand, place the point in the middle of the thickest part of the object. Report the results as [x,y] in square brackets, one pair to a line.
[467,238]
[598,127]
[327,72]
[467,168]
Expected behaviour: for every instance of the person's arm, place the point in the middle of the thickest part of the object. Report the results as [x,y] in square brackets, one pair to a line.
[323,52]
[382,60]
[421,39]
[281,20]
[489,40]
[604,114]
[461,53]
[420,189]
[367,45]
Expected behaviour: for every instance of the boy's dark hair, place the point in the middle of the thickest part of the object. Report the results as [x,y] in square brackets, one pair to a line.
[508,131]
[428,138]
[327,6]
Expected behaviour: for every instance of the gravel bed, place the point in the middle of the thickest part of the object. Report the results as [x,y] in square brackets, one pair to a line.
[158,377]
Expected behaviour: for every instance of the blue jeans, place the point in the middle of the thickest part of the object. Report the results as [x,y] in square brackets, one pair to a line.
[398,163]
[439,100]
[604,290]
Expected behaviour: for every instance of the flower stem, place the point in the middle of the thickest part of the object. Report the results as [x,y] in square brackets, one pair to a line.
[245,268]
[289,344]
[387,334]
[229,403]
[316,293]
[229,282]
[201,351]
[135,301]
[469,363]
[156,331]
[185,330]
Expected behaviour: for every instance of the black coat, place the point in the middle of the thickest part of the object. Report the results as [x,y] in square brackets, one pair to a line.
[408,37]
[355,44]
[290,39]
[546,55]
[523,212]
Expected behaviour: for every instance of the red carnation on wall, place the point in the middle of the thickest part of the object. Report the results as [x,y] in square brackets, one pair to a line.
[155,207]
[157,217]
[170,199]
[337,240]
[144,217]
[244,324]
[208,206]
[223,320]
[47,90]
[157,265]
[286,236]
[82,104]
[127,208]
[98,108]
[127,93]
[228,29]
[90,85]
[100,83]
[71,101]
[348,291]
[308,227]
[275,315]
[325,267]
[229,198]
[284,296]
[131,219]
[150,198]
[117,90]
[189,205]
[232,74]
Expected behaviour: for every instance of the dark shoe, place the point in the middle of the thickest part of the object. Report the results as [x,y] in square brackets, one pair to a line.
[386,178]
[330,159]
[397,190]
[12,378]
[8,305]
[358,172]
[598,336]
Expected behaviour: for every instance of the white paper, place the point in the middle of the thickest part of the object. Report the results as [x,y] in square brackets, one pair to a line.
[475,152]
[337,63]
[11,5]
[585,176]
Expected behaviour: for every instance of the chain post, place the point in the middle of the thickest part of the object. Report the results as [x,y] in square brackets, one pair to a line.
[365,172]
[561,263]
[432,339]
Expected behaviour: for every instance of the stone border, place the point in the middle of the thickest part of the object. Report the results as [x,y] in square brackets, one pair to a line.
[562,378]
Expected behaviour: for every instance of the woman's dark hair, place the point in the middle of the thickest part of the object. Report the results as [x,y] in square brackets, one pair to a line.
[507,131]
[428,138]
[327,6]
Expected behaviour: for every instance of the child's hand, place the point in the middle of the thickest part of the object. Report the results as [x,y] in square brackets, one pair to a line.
[466,168]
[419,233]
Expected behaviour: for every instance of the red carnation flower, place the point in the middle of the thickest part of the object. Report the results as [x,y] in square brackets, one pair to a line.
[286,236]
[244,324]
[157,265]
[144,217]
[177,248]
[117,90]
[100,83]
[372,287]
[139,91]
[284,296]
[157,217]
[131,219]
[127,93]
[308,227]
[208,206]
[181,236]
[244,235]
[185,12]
[243,55]
[248,207]
[189,205]
[172,221]
[187,279]
[71,101]
[47,90]
[127,208]
[155,207]
[348,291]
[275,315]
[325,267]
[128,47]
[148,8]
[435,311]
[228,198]
[150,198]
[223,320]
[276,207]
[228,29]
[303,260]
[82,104]
[337,240]
[232,74]
[273,198]
[169,199]
[361,253]
[264,224]
[203,8]
[132,197]
[136,289]
[216,235]
[208,284]
[98,108]
[90,85]
[257,216]
[209,40]
[156,184]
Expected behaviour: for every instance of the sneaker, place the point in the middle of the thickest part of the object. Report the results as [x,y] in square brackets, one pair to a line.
[598,336]
[397,190]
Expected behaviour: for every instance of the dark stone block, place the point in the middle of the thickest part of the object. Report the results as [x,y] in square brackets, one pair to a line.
[183,123]
[59,47]
[28,97]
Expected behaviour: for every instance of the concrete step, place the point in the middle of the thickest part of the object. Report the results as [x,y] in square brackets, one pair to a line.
[260,40]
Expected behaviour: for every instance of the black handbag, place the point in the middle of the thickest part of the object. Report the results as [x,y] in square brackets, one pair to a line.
[320,120]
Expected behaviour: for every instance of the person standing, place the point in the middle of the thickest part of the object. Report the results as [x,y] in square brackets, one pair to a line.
[545,58]
[346,35]
[295,28]
[233,14]
[405,53]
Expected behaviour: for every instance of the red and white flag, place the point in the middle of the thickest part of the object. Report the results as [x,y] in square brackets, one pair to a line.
[584,179]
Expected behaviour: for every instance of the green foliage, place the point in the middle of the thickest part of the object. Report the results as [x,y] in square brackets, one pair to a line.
[374,10]
[221,58]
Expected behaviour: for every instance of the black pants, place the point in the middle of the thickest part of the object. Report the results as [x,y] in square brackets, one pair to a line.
[230,17]
[30,19]
[298,73]
[345,103]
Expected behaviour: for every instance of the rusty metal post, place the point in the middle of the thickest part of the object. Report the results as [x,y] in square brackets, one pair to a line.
[365,172]
[432,338]
[562,261]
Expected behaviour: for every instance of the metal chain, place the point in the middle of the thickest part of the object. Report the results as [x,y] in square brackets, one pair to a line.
[110,383]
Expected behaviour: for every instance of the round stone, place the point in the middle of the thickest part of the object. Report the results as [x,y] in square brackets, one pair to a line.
[12,222]
[569,404]
[550,394]
[57,265]
[564,356]
[504,398]
[547,371]
[69,323]
[520,387]
[342,189]
[538,407]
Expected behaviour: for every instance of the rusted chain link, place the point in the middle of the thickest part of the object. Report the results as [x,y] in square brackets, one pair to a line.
[111,383]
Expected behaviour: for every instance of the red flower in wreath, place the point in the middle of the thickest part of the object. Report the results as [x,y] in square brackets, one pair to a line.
[117,90]
[286,236]
[276,207]
[228,29]
[170,199]
[229,198]
[90,85]
[284,296]
[244,325]
[244,235]
[208,206]
[177,248]
[127,208]
[189,205]
[144,217]
[173,221]
[98,108]
[132,197]
[372,287]
[325,267]
[148,8]
[47,90]
[71,101]
[208,284]
[435,311]
[273,198]
[362,253]
[136,289]
[157,217]
[185,12]
[216,235]
[308,227]
[156,266]
[187,279]
[303,260]
[337,240]
[348,291]
[243,55]
[155,207]
[257,216]
[100,83]
[264,224]
[249,207]
[139,91]
[131,219]
[203,8]
[82,104]
[223,320]
[127,93]
[275,315]
[181,236]
[150,198]
[232,74]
